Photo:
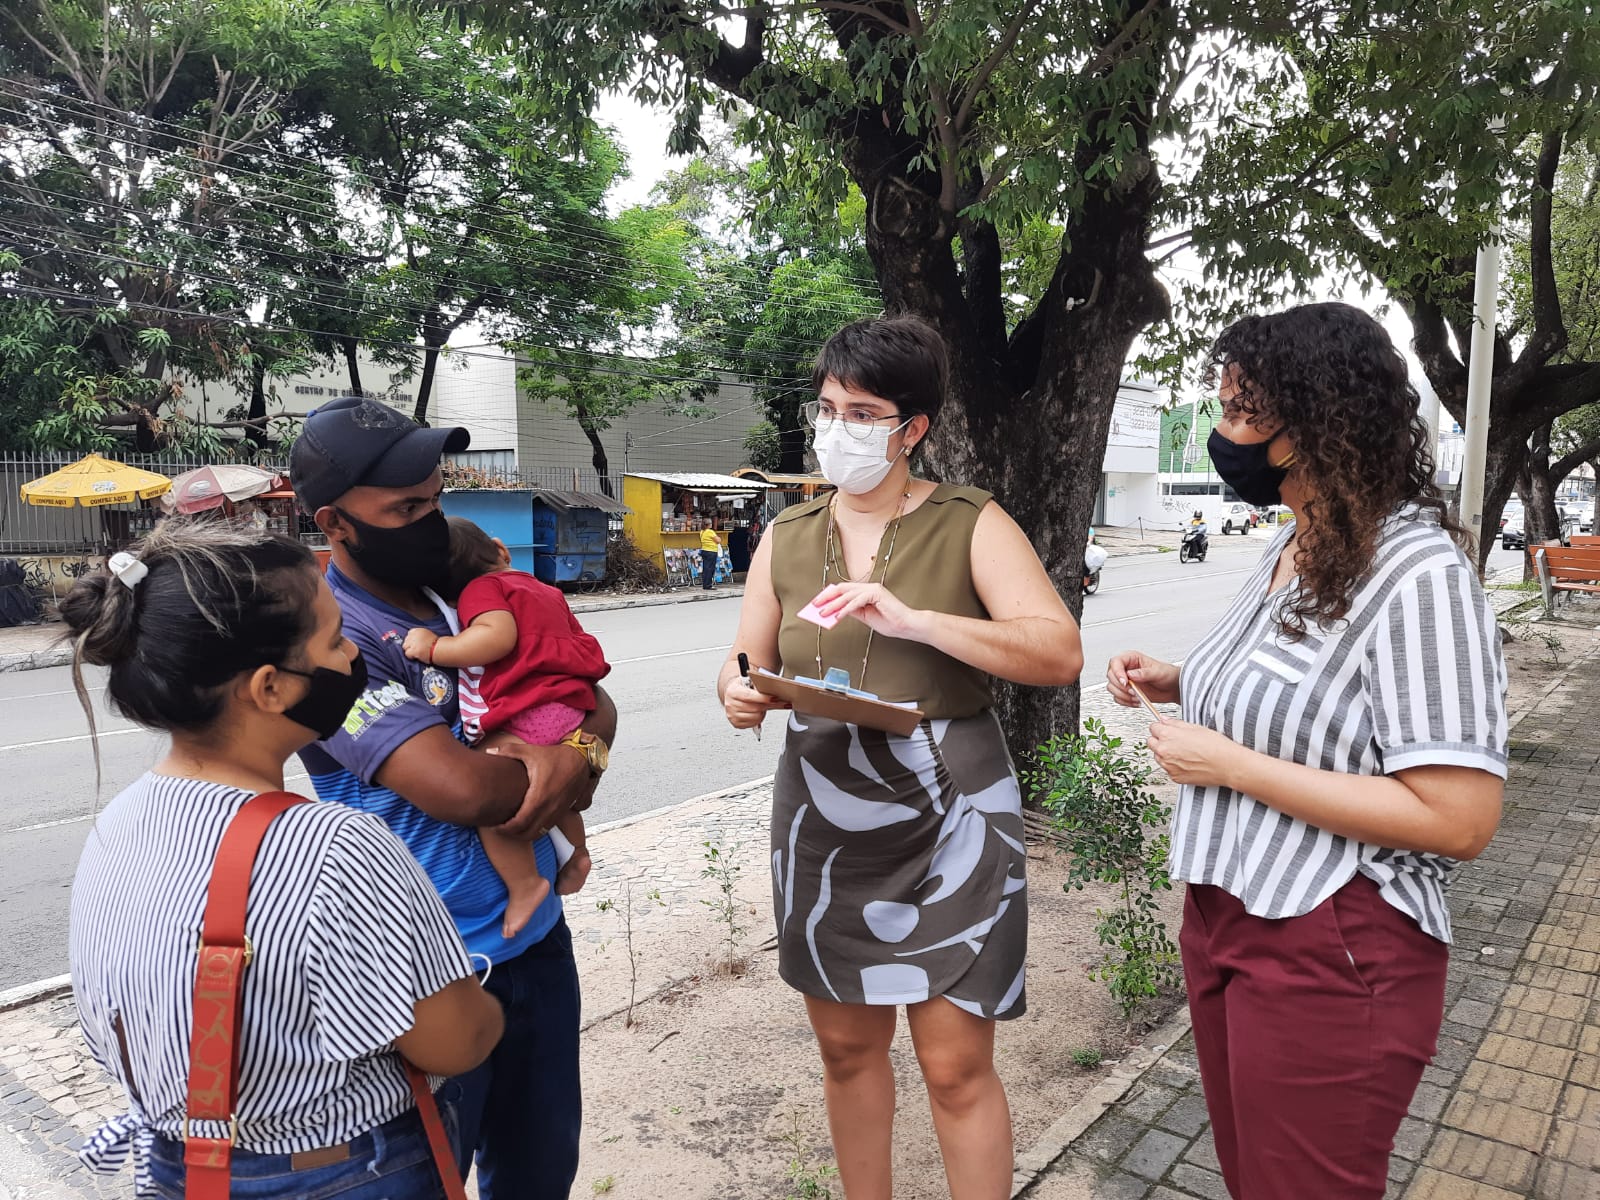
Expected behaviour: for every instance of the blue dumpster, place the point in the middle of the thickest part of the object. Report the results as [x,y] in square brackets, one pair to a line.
[560,537]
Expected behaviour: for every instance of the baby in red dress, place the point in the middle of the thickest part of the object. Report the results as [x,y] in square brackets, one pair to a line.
[528,669]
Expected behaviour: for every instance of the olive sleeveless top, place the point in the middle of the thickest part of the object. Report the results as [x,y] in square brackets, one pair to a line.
[931,568]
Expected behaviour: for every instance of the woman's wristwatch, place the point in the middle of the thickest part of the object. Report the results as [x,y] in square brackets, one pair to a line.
[593,748]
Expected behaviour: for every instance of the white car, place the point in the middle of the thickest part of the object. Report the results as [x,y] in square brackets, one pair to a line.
[1238,516]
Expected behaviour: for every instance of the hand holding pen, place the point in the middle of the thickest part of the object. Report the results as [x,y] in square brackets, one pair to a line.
[744,673]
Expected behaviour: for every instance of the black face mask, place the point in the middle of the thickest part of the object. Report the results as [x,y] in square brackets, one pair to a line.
[414,555]
[1248,470]
[329,700]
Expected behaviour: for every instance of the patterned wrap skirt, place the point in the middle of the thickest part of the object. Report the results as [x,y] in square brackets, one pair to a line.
[898,865]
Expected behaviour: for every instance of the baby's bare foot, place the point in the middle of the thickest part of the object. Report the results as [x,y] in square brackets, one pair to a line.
[523,898]
[575,874]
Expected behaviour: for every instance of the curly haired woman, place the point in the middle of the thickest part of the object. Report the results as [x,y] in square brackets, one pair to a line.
[1343,744]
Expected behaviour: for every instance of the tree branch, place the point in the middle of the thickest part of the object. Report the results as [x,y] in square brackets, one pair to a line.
[1008,39]
[870,11]
[1549,334]
[1568,463]
[1108,53]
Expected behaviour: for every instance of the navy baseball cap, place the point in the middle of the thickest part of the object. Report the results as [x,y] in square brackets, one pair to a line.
[356,441]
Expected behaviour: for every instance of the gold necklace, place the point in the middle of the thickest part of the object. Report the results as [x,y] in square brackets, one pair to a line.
[829,560]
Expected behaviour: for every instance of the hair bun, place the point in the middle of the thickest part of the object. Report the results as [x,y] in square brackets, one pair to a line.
[100,613]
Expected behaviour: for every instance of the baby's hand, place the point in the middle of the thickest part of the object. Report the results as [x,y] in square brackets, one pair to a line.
[419,644]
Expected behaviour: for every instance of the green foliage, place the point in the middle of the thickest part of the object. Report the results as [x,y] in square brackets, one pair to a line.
[1379,160]
[762,447]
[808,1180]
[1088,1058]
[1108,820]
[722,868]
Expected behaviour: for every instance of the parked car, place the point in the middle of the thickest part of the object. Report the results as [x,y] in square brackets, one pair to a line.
[1579,514]
[1512,536]
[1239,516]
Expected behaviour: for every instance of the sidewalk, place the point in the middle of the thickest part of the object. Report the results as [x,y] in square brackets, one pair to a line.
[33,647]
[1510,1107]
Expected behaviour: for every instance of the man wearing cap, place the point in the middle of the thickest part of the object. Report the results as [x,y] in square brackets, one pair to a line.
[370,478]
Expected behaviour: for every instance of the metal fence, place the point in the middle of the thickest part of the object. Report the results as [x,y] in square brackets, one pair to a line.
[28,530]
[560,479]
[25,529]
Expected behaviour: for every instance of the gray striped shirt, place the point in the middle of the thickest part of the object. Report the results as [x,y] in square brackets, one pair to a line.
[348,936]
[1412,676]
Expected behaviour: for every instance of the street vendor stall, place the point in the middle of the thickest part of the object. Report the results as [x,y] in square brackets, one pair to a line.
[223,486]
[558,536]
[118,490]
[670,510]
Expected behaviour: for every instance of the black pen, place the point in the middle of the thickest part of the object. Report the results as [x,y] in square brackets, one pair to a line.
[744,670]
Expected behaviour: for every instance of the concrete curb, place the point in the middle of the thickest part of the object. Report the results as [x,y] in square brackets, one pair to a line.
[634,819]
[35,660]
[1072,1124]
[686,596]
[32,993]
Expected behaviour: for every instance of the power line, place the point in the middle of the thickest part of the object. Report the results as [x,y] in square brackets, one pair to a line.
[332,306]
[273,183]
[551,264]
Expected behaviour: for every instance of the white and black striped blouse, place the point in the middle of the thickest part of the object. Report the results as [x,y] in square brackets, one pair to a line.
[1412,676]
[348,935]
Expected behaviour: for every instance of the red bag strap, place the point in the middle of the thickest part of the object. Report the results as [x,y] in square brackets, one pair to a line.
[225,952]
[438,1141]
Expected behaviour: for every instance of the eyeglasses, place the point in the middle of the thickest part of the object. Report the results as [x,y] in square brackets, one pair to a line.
[858,422]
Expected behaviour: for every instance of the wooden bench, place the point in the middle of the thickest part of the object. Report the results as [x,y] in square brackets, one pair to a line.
[1584,539]
[1574,568]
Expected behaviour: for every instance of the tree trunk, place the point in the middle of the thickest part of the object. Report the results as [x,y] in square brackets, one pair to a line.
[791,436]
[352,362]
[598,456]
[432,341]
[257,431]
[1594,513]
[1541,520]
[1032,430]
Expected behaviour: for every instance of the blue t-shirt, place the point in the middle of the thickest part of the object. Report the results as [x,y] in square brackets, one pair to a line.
[403,698]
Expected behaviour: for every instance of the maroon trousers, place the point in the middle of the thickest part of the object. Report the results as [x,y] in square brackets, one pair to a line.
[1312,1033]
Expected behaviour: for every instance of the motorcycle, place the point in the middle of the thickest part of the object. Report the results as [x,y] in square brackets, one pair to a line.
[1093,559]
[1194,545]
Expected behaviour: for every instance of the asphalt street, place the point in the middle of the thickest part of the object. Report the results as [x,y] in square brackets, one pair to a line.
[673,743]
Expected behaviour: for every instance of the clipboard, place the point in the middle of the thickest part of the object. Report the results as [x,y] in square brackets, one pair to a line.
[837,705]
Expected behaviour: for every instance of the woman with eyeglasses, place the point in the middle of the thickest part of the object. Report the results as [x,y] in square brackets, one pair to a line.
[898,862]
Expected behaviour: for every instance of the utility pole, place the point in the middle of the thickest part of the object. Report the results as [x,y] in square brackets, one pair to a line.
[1480,384]
[1480,374]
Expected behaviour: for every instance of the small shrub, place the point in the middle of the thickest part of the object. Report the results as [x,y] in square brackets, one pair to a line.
[1087,1057]
[808,1180]
[723,868]
[1112,828]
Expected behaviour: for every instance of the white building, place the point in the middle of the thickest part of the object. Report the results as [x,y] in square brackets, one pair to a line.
[476,387]
[1129,480]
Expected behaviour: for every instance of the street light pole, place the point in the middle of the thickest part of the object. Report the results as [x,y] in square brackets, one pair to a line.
[1480,374]
[1480,384]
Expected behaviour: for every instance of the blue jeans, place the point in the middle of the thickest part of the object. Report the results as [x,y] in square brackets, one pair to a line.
[523,1109]
[390,1162]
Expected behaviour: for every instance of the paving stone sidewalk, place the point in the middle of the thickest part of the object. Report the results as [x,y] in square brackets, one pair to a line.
[1510,1107]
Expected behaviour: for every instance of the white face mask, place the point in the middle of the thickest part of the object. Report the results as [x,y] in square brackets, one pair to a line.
[855,465]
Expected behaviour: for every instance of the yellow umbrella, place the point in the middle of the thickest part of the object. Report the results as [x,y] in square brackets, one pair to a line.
[94,481]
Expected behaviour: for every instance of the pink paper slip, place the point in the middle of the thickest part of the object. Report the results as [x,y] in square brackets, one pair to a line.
[810,613]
